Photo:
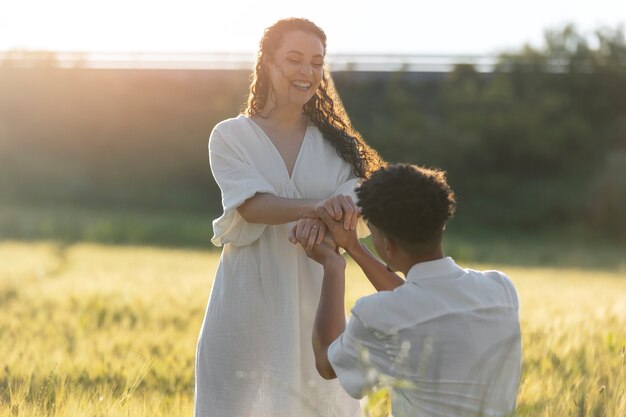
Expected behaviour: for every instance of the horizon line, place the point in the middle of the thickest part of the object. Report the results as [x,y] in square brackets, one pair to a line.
[370,61]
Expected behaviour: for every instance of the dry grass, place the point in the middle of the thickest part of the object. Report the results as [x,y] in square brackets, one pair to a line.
[92,330]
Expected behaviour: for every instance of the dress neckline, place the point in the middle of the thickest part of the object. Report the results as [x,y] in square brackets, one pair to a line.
[266,137]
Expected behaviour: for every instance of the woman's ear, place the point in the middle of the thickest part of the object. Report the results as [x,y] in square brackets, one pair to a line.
[267,61]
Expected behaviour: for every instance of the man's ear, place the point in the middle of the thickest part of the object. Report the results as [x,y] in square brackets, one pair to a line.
[391,247]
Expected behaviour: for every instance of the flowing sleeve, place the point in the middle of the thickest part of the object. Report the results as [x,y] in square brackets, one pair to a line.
[238,180]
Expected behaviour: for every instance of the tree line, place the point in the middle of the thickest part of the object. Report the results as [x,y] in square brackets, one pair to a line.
[539,143]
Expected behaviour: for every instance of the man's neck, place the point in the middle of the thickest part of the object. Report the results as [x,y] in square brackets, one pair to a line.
[406,263]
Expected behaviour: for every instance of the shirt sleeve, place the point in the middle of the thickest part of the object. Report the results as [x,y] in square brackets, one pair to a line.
[349,355]
[238,180]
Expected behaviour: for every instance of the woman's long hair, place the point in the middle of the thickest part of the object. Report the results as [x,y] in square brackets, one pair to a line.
[324,109]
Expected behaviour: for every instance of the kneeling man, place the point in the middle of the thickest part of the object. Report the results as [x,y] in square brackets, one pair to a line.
[445,339]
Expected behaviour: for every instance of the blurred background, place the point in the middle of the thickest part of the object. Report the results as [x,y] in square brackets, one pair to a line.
[103,135]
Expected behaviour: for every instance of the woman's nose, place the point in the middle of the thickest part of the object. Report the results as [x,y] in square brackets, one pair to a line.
[306,69]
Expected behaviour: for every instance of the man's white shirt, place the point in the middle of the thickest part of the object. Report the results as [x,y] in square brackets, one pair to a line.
[447,342]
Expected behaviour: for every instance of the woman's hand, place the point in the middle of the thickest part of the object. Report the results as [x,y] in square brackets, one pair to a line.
[341,208]
[308,232]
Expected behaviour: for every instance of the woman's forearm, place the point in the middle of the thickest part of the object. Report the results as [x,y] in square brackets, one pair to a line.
[269,209]
[378,274]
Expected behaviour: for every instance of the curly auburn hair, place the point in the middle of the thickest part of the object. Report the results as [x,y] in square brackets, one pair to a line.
[324,109]
[407,202]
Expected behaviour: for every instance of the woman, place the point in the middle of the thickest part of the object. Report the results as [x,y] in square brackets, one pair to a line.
[292,152]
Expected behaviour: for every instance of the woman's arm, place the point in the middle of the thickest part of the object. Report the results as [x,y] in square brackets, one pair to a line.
[269,209]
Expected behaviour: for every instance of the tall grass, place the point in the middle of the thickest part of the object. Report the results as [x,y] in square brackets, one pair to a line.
[92,330]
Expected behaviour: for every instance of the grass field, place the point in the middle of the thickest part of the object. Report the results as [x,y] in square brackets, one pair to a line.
[93,330]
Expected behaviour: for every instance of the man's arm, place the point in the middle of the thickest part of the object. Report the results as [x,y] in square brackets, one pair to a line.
[330,319]
[381,277]
[378,274]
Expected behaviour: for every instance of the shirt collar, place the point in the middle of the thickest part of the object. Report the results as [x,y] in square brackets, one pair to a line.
[431,269]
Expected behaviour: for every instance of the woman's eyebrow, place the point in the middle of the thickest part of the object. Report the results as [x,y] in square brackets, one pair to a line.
[300,53]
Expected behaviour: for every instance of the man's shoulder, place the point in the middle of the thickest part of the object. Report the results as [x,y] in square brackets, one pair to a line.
[370,303]
[387,312]
[497,284]
[409,305]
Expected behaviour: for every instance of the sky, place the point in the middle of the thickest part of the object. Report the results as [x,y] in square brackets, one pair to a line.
[365,26]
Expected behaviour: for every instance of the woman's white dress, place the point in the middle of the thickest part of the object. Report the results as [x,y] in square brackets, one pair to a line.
[254,356]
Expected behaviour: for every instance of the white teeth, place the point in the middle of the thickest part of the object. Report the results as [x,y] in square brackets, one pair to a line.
[301,84]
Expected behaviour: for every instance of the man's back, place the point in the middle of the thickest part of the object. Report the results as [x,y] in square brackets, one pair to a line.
[448,341]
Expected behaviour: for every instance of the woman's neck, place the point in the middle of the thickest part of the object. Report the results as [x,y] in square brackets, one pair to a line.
[283,115]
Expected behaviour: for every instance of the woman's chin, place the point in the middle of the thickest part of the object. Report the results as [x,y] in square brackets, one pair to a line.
[300,98]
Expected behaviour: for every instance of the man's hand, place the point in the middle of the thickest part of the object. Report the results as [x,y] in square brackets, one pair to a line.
[345,238]
[327,256]
[341,208]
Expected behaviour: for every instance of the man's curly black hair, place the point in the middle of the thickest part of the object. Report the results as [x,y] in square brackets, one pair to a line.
[409,203]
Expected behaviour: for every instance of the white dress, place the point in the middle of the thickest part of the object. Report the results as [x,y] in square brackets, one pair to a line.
[254,356]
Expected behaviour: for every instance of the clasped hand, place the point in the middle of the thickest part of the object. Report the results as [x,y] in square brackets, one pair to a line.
[339,214]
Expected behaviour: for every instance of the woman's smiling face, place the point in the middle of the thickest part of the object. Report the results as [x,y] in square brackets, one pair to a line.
[297,68]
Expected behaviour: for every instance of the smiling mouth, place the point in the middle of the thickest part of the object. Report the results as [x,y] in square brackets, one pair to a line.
[301,85]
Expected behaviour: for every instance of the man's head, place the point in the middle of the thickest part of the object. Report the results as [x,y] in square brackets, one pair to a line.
[408,206]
